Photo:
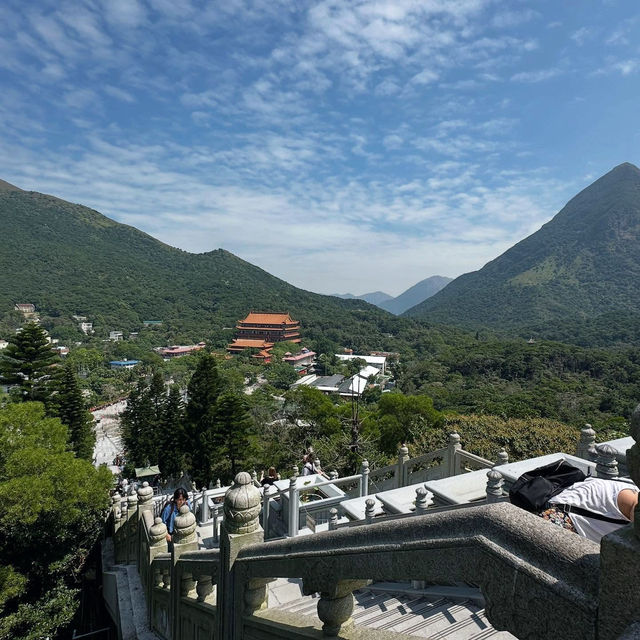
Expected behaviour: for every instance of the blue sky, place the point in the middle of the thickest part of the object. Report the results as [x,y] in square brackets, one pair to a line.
[342,146]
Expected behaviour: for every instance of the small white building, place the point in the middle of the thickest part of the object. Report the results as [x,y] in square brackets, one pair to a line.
[379,362]
[87,327]
[3,344]
[115,335]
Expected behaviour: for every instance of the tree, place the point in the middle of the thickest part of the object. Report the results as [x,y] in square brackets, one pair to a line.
[137,423]
[172,436]
[52,512]
[28,362]
[70,408]
[230,432]
[204,389]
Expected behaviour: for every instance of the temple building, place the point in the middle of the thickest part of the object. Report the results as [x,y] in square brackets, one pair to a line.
[262,330]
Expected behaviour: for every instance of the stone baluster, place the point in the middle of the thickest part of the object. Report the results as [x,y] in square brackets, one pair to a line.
[294,471]
[335,605]
[184,539]
[211,485]
[158,544]
[503,457]
[269,490]
[215,517]
[254,478]
[205,513]
[241,527]
[116,505]
[294,516]
[333,475]
[364,478]
[369,509]
[606,461]
[124,510]
[401,473]
[333,519]
[495,482]
[619,598]
[218,484]
[145,503]
[132,501]
[453,464]
[182,581]
[586,448]
[422,503]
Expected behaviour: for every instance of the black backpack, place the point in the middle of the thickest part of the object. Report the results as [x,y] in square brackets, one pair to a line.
[533,489]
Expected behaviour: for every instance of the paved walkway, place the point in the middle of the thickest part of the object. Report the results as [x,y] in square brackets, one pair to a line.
[108,437]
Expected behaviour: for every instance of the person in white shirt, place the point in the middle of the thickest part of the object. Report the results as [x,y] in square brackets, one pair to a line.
[577,508]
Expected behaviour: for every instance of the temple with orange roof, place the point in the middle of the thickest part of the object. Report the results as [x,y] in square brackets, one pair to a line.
[262,330]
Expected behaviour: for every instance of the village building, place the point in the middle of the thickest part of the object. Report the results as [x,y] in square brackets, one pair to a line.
[3,344]
[86,327]
[260,331]
[116,335]
[379,362]
[26,308]
[121,365]
[176,351]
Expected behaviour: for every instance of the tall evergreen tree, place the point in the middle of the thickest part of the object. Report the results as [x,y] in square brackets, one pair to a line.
[137,427]
[172,435]
[204,389]
[230,432]
[70,408]
[28,362]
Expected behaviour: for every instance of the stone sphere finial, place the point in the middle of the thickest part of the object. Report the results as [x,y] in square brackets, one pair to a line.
[145,493]
[242,505]
[495,483]
[365,466]
[606,461]
[184,528]
[158,532]
[503,456]
[403,451]
[132,499]
[454,438]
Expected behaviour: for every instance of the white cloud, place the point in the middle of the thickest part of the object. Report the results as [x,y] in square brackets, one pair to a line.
[539,75]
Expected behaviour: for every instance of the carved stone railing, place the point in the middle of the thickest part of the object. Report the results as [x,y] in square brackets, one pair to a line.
[537,579]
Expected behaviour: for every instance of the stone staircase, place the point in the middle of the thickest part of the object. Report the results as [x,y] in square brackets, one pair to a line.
[438,613]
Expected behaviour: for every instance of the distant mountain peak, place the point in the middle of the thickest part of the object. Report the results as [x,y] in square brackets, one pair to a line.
[6,186]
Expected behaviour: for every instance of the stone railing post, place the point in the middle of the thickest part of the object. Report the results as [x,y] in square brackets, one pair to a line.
[218,484]
[158,544]
[204,509]
[333,519]
[333,475]
[215,518]
[369,510]
[606,461]
[269,490]
[422,503]
[619,598]
[503,457]
[116,506]
[241,527]
[586,448]
[294,515]
[364,478]
[145,503]
[453,464]
[401,472]
[495,482]
[336,603]
[182,582]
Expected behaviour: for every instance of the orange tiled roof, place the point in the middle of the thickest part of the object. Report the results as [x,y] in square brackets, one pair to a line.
[269,318]
[250,343]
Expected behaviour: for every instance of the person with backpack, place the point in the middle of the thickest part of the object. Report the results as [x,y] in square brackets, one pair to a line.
[561,494]
[172,508]
[594,507]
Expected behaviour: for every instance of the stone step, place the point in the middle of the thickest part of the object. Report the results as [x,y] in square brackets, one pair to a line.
[437,613]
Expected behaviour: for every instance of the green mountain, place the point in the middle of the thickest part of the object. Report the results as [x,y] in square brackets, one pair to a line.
[583,263]
[414,295]
[68,259]
[375,297]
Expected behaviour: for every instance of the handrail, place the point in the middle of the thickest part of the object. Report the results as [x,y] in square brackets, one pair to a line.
[426,457]
[496,546]
[472,457]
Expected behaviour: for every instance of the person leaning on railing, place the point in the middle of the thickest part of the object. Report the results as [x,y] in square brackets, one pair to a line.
[172,508]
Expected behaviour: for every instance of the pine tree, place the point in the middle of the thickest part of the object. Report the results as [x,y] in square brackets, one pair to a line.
[137,427]
[71,410]
[173,445]
[28,362]
[203,390]
[230,431]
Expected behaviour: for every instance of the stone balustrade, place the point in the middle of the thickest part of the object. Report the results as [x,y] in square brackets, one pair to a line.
[538,580]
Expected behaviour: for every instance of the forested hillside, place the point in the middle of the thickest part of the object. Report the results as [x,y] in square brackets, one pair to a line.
[557,282]
[68,259]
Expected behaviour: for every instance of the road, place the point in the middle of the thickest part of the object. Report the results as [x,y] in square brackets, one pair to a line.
[108,437]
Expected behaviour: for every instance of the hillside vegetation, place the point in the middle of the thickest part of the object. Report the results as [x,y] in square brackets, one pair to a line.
[559,281]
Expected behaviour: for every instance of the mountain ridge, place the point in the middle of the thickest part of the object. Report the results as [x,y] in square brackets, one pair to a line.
[581,263]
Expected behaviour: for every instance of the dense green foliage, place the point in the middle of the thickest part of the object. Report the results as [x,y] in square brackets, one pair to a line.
[70,407]
[28,363]
[580,265]
[53,504]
